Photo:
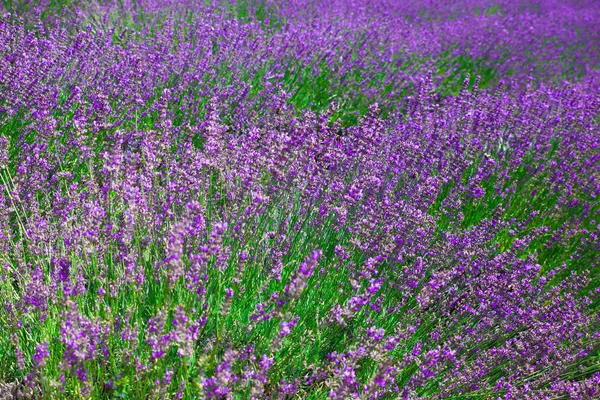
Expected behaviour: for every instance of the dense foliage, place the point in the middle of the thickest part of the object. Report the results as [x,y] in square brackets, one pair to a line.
[296,199]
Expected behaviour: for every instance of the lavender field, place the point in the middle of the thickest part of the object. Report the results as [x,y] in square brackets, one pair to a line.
[300,199]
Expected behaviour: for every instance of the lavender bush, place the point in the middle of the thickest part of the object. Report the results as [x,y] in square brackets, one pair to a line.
[299,200]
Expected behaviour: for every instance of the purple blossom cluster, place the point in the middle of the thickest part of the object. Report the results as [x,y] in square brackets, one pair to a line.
[179,218]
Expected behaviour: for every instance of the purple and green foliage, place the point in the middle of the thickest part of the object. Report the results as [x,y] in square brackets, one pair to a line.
[262,199]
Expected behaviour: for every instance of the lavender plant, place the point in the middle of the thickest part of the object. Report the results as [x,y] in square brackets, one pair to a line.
[278,200]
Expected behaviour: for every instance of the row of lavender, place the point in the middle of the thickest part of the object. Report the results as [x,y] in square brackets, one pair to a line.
[174,224]
[363,51]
